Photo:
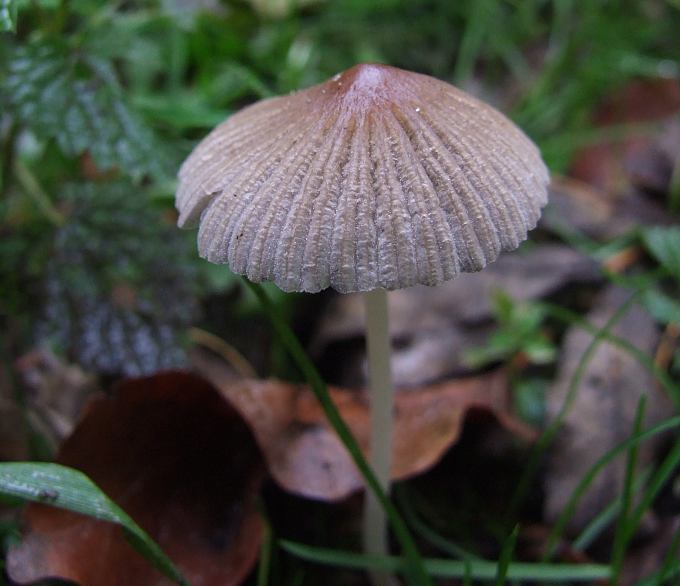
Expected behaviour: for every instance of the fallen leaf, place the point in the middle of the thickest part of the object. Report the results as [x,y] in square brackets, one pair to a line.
[306,457]
[432,327]
[611,165]
[56,392]
[652,169]
[181,462]
[604,410]
[576,206]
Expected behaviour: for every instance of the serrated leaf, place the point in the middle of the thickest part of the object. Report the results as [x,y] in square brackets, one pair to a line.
[70,489]
[76,100]
[8,16]
[120,285]
[664,245]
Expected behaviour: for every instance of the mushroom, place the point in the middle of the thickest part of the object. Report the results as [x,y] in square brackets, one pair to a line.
[375,180]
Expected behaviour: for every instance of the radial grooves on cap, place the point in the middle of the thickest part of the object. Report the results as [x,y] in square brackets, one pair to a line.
[508,160]
[435,251]
[283,241]
[376,178]
[398,263]
[222,161]
[495,127]
[289,186]
[296,228]
[490,182]
[472,190]
[444,175]
[488,185]
[241,199]
[317,261]
[366,229]
[254,219]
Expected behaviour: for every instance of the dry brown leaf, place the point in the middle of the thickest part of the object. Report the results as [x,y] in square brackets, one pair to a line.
[177,458]
[603,413]
[56,392]
[610,166]
[306,457]
[577,206]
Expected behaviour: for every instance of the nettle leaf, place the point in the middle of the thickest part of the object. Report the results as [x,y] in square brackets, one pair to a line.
[8,16]
[120,286]
[75,99]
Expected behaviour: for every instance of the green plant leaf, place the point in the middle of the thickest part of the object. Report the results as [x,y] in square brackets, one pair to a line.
[505,560]
[70,489]
[664,245]
[8,16]
[661,307]
[75,99]
[520,330]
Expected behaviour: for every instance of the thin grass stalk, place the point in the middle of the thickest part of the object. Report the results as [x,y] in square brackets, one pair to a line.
[579,491]
[551,431]
[413,568]
[619,544]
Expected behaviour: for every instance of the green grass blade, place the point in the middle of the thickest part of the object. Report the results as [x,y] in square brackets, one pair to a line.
[8,16]
[427,533]
[670,566]
[70,489]
[506,557]
[471,44]
[467,576]
[414,568]
[441,568]
[265,562]
[565,315]
[605,517]
[551,430]
[585,482]
[622,527]
[668,466]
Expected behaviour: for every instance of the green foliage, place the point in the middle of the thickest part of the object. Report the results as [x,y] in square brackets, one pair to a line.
[664,245]
[528,394]
[594,48]
[86,258]
[23,256]
[120,285]
[8,15]
[70,489]
[661,298]
[520,331]
[661,306]
[75,98]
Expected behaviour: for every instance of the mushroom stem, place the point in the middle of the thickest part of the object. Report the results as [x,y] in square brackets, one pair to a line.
[382,405]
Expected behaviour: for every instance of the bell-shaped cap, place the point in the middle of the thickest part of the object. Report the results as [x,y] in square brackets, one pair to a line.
[377,178]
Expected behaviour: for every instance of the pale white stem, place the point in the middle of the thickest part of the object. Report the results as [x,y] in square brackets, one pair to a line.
[382,406]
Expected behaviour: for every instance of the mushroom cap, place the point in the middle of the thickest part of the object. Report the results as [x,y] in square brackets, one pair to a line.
[377,178]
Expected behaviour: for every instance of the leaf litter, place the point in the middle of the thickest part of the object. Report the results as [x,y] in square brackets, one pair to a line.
[305,456]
